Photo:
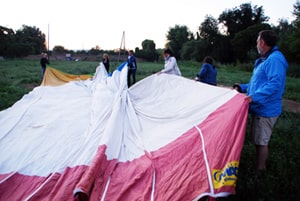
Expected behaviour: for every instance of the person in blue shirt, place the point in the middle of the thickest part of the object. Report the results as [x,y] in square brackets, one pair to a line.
[44,61]
[208,72]
[132,66]
[264,93]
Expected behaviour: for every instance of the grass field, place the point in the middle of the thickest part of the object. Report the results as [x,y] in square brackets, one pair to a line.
[18,77]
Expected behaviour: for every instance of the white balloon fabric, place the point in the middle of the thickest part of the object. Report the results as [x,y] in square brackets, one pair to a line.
[165,138]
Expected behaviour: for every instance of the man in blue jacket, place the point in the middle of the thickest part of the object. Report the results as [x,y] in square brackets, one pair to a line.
[264,92]
[131,62]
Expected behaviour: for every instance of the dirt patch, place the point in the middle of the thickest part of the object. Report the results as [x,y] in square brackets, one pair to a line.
[288,105]
[30,86]
[291,106]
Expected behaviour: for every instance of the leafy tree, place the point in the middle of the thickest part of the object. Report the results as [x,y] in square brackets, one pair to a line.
[283,31]
[25,41]
[241,26]
[209,41]
[6,40]
[238,19]
[296,13]
[223,51]
[148,45]
[189,50]
[148,51]
[94,51]
[209,35]
[209,30]
[58,49]
[244,42]
[176,37]
[293,39]
[31,39]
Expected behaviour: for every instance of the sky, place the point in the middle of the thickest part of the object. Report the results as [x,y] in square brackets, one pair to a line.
[82,25]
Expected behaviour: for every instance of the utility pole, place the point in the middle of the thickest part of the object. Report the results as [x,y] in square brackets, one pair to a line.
[48,43]
[122,44]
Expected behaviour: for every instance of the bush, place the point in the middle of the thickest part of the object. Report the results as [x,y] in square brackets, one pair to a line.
[293,71]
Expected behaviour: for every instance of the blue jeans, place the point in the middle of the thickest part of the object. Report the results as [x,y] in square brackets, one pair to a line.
[43,71]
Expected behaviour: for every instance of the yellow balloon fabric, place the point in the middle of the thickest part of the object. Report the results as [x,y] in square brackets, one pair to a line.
[54,77]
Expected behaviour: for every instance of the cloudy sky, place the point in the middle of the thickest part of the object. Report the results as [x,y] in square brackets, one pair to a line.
[78,25]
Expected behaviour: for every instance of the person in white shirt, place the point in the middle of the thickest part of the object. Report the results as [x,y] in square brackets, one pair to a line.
[171,66]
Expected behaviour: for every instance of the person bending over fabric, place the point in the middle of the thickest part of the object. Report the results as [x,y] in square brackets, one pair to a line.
[264,92]
[208,72]
[170,66]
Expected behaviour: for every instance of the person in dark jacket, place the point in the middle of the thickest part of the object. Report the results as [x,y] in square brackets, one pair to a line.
[208,72]
[105,61]
[132,67]
[44,61]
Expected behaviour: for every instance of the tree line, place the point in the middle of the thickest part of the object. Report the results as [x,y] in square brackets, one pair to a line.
[231,38]
[235,41]
[25,41]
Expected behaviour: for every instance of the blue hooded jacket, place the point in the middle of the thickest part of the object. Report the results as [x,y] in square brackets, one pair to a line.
[208,74]
[266,86]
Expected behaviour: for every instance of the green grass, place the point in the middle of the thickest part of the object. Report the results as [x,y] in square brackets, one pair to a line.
[18,77]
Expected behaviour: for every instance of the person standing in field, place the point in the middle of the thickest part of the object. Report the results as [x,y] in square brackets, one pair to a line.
[264,93]
[132,67]
[44,61]
[208,72]
[105,61]
[170,66]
